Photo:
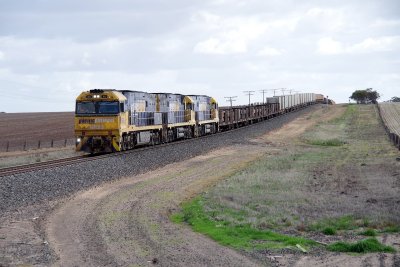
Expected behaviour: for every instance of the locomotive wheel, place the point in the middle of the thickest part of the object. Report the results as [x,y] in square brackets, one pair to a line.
[123,143]
[189,133]
[215,128]
[170,136]
[152,140]
[196,131]
[156,138]
[131,141]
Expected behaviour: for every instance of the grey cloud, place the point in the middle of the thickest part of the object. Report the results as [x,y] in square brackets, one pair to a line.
[64,47]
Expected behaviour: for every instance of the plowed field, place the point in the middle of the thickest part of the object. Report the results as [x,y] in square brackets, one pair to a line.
[16,128]
[391,116]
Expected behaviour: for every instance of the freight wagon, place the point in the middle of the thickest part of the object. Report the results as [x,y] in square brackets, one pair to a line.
[234,117]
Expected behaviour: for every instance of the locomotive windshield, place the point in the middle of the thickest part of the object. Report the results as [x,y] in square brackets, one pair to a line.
[97,107]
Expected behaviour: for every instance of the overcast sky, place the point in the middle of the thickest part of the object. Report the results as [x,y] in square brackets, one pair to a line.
[50,50]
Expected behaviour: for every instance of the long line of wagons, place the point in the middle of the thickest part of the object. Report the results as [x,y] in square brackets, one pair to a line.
[108,120]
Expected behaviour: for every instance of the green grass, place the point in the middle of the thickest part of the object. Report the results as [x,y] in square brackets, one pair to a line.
[236,236]
[329,142]
[350,111]
[329,231]
[392,229]
[363,246]
[369,232]
[347,222]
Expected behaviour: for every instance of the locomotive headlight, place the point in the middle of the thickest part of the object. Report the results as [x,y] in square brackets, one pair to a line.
[78,140]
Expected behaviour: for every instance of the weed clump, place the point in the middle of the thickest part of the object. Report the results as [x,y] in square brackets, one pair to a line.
[329,142]
[329,231]
[392,229]
[363,246]
[369,232]
[347,222]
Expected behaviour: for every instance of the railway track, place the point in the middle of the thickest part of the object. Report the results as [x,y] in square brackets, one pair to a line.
[9,171]
[40,165]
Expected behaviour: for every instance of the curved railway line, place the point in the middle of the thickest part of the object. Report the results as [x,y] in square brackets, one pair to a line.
[9,171]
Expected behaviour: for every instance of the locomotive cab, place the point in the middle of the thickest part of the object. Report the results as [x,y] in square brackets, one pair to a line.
[99,117]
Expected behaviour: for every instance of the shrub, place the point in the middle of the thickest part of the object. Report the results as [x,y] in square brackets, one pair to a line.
[329,231]
[369,232]
[363,246]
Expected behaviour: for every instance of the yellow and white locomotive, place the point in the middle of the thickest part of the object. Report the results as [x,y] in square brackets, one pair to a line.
[108,120]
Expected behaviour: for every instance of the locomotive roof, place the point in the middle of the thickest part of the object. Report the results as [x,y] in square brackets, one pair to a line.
[112,95]
[131,91]
[158,93]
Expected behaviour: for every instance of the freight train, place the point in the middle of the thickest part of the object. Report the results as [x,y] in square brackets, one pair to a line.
[109,120]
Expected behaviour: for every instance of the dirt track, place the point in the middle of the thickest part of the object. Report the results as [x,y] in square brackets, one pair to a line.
[127,222]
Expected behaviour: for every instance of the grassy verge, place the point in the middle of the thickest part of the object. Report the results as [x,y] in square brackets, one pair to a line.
[325,185]
[391,229]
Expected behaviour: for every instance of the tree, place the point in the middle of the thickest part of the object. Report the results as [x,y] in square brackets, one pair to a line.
[360,96]
[372,95]
[365,96]
[395,99]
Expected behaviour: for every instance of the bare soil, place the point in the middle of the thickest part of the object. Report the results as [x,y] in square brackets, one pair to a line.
[16,128]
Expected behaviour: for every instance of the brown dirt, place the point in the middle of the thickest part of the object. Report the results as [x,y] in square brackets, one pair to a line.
[32,127]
